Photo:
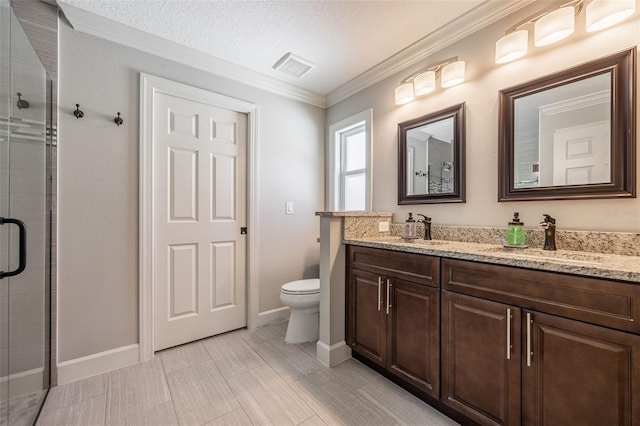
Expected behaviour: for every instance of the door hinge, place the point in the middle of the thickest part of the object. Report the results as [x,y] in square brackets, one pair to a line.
[243,230]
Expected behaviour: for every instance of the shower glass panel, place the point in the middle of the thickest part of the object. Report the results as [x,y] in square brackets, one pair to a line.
[24,201]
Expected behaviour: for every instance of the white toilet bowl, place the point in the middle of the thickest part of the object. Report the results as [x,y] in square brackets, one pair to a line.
[303,298]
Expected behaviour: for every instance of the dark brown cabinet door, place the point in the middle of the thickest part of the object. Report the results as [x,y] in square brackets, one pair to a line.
[579,374]
[368,317]
[414,335]
[481,359]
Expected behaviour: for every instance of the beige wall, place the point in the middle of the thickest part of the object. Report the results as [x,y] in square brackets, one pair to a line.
[98,188]
[480,93]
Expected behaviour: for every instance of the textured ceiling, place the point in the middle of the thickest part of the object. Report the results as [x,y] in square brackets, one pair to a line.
[343,38]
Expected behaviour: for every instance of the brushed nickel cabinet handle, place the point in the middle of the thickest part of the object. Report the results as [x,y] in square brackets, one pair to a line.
[529,353]
[508,333]
[379,295]
[388,295]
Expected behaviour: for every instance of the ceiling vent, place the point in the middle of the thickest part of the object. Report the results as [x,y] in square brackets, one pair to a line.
[293,65]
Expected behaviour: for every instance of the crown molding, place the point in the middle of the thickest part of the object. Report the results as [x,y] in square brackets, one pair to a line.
[477,18]
[99,26]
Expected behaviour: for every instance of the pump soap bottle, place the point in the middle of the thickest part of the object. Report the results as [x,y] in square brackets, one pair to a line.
[410,231]
[515,232]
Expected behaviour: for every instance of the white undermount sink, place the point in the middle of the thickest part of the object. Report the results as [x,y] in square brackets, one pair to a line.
[556,256]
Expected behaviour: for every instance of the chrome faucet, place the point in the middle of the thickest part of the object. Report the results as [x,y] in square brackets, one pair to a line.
[549,226]
[427,226]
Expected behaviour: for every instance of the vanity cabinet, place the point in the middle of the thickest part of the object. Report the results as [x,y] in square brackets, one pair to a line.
[481,359]
[579,374]
[499,345]
[505,362]
[393,313]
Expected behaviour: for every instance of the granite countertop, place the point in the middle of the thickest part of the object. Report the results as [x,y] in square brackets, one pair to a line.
[353,214]
[608,266]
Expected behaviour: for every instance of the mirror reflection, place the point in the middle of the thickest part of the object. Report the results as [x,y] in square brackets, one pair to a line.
[431,158]
[562,136]
[571,134]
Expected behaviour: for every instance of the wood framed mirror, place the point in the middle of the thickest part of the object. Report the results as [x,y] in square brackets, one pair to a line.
[431,158]
[570,135]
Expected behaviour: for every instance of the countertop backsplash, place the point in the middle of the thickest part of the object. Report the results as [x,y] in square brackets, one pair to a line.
[622,243]
[367,225]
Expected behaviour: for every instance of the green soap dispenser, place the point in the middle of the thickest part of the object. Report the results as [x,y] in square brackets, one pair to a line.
[515,232]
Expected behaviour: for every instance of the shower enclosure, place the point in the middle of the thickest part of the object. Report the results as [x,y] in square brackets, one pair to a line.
[25,199]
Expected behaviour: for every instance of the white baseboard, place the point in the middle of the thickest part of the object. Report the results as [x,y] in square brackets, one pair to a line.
[20,384]
[334,354]
[274,315]
[91,365]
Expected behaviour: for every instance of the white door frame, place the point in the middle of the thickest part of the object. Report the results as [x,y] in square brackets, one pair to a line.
[149,85]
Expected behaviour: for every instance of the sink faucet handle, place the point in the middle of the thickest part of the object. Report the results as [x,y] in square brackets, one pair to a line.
[426,219]
[549,219]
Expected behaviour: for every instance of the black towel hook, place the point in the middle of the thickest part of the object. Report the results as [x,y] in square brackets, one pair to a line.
[77,112]
[21,102]
[118,120]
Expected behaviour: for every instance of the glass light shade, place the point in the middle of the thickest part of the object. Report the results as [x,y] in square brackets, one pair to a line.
[554,26]
[424,83]
[512,46]
[404,93]
[605,13]
[452,74]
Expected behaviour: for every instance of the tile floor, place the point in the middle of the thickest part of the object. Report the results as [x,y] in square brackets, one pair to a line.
[21,411]
[239,378]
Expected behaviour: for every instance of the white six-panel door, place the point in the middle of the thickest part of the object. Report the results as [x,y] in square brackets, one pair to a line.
[581,154]
[199,155]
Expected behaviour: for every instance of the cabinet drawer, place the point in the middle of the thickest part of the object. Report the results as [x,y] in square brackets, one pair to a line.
[417,268]
[610,303]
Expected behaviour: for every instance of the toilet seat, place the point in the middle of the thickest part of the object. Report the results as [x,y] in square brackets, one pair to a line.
[300,287]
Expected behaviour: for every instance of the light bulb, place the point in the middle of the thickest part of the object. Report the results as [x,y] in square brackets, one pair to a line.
[424,83]
[404,93]
[605,13]
[452,74]
[554,26]
[512,46]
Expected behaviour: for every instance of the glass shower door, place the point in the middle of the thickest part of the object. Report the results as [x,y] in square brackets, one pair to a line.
[24,249]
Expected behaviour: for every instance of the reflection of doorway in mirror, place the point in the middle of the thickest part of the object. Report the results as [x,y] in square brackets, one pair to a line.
[581,154]
[571,115]
[410,170]
[418,163]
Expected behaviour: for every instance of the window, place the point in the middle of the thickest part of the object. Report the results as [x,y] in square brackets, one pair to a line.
[349,174]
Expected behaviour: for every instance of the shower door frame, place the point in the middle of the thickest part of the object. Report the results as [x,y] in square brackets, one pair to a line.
[29,17]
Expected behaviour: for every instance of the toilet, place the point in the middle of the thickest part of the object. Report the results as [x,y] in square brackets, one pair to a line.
[303,298]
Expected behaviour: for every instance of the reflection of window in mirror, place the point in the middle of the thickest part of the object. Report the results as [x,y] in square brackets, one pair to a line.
[430,158]
[562,136]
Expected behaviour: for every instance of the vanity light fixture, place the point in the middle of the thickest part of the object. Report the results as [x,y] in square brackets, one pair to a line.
[512,46]
[424,83]
[554,26]
[558,23]
[450,71]
[452,74]
[606,13]
[404,93]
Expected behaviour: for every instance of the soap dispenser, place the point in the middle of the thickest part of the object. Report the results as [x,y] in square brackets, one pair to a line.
[410,231]
[515,232]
